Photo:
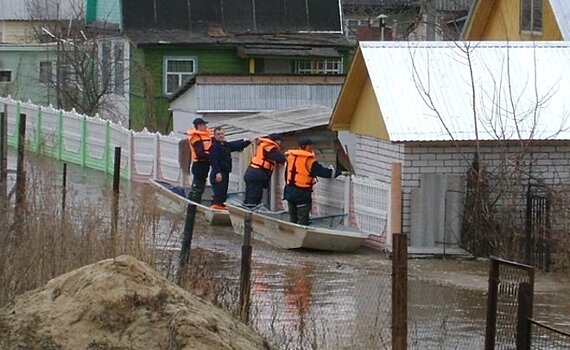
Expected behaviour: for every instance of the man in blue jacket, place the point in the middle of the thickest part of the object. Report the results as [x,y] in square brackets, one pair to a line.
[221,164]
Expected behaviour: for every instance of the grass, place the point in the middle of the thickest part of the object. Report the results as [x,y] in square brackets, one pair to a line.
[47,242]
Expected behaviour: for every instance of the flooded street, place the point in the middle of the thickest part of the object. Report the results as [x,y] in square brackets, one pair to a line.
[319,300]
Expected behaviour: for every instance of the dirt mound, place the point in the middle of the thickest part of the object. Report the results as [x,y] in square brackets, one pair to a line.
[119,303]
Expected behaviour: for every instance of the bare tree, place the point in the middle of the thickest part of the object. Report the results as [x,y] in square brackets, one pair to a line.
[90,67]
[495,219]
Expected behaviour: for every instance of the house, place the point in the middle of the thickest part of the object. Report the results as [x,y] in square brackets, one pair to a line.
[26,70]
[513,20]
[21,21]
[364,20]
[416,103]
[299,38]
[27,61]
[221,97]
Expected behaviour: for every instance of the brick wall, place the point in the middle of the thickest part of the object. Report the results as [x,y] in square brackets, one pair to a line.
[550,163]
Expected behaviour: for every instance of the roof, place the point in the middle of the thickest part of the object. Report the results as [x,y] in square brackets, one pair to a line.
[401,71]
[186,38]
[560,8]
[235,16]
[18,10]
[281,122]
[440,5]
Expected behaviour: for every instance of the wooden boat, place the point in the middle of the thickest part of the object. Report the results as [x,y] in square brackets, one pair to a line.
[274,228]
[172,198]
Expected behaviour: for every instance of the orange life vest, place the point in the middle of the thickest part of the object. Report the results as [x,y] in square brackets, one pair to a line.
[299,163]
[195,136]
[264,146]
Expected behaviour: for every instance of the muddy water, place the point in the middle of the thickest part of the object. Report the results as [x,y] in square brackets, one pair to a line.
[312,300]
[315,300]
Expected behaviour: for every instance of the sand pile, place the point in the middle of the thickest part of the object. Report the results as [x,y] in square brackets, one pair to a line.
[119,303]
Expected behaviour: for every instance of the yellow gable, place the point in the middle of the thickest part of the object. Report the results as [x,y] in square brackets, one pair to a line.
[500,20]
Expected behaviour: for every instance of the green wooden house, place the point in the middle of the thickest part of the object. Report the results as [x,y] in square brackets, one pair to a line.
[26,71]
[213,37]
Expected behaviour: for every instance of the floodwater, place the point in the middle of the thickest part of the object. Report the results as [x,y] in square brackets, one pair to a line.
[318,300]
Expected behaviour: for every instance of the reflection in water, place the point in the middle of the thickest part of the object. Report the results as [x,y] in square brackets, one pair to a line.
[311,300]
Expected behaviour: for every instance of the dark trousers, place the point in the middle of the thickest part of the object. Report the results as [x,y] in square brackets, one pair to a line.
[255,181]
[220,188]
[199,175]
[300,213]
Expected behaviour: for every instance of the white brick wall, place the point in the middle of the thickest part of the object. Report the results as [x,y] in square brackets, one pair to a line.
[550,163]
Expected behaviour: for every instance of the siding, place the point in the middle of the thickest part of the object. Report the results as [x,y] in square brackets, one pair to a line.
[24,65]
[208,61]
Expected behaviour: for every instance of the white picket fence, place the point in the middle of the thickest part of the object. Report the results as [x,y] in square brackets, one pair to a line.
[91,142]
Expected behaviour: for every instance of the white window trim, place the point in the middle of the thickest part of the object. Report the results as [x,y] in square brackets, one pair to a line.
[165,66]
[113,69]
[338,61]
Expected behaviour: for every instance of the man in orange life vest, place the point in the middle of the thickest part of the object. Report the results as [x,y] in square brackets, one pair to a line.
[300,175]
[258,173]
[200,140]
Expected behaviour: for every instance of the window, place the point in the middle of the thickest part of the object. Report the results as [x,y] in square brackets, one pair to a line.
[112,61]
[318,67]
[5,76]
[177,70]
[119,65]
[45,72]
[531,16]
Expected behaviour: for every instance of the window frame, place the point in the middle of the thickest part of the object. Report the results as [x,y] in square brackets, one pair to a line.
[112,60]
[319,66]
[165,72]
[529,28]
[41,73]
[11,76]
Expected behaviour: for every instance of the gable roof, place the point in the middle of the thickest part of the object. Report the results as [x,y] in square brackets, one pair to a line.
[235,16]
[561,9]
[481,8]
[398,71]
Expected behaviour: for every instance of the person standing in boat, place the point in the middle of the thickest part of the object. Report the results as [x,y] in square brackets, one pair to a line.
[221,163]
[300,176]
[258,174]
[200,139]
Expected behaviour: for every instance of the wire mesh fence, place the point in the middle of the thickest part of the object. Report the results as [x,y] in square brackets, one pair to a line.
[545,337]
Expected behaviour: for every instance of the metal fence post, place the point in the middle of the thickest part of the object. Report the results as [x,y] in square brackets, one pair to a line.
[524,313]
[115,208]
[491,327]
[245,275]
[20,173]
[399,264]
[3,156]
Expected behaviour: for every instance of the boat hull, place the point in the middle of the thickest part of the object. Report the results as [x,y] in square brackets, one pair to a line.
[177,204]
[275,230]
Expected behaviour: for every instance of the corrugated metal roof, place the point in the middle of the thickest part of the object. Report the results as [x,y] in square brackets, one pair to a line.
[282,122]
[442,69]
[561,10]
[32,9]
[263,97]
